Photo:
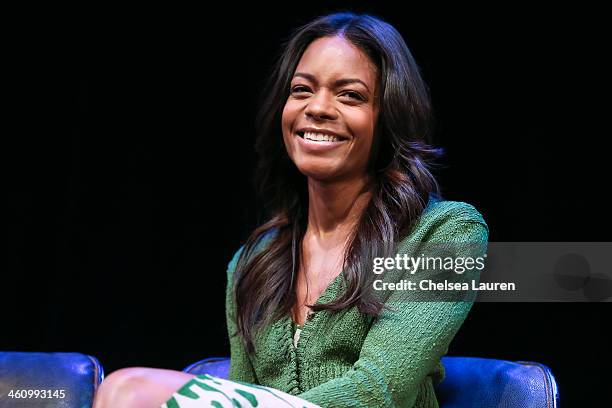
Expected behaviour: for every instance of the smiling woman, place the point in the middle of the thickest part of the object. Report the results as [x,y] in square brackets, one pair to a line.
[344,167]
[329,118]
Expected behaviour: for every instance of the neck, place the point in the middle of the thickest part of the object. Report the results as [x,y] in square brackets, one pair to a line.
[335,207]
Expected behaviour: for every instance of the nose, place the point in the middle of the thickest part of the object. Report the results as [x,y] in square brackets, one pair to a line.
[320,106]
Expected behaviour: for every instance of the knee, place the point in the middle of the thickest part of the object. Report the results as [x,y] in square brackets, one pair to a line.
[124,388]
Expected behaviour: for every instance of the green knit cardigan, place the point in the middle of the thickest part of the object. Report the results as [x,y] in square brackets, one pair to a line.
[348,359]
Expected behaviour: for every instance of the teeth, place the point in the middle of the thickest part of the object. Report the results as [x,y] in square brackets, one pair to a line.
[320,137]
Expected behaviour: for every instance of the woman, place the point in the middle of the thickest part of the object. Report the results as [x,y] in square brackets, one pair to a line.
[349,182]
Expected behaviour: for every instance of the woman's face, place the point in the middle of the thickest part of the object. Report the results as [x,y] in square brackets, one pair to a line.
[329,118]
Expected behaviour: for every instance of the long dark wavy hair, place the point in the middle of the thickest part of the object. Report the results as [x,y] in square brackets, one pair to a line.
[400,165]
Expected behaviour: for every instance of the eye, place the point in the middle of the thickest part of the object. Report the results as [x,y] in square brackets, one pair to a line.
[353,95]
[298,89]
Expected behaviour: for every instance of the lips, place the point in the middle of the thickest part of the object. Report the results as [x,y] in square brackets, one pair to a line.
[319,143]
[320,135]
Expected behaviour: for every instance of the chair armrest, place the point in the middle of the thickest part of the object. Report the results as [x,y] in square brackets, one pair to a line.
[217,366]
[63,380]
[484,382]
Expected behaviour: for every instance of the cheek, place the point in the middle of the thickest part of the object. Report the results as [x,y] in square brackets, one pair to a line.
[287,124]
[363,127]
[289,116]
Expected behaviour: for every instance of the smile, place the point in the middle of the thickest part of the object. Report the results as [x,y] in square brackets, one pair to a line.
[319,137]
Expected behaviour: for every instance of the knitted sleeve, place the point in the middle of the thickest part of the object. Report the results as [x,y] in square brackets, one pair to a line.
[241,368]
[404,346]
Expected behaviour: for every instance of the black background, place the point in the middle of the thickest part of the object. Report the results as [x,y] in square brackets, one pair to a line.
[130,157]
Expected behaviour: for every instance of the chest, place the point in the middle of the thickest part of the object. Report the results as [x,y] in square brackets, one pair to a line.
[316,273]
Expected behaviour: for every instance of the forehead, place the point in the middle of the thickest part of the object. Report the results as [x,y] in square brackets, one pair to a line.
[331,58]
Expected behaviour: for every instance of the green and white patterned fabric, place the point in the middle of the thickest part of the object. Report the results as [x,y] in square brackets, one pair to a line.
[209,391]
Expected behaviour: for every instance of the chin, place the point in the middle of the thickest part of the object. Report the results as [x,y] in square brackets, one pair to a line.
[319,171]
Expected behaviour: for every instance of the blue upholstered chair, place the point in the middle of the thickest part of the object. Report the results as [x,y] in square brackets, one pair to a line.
[65,380]
[469,382]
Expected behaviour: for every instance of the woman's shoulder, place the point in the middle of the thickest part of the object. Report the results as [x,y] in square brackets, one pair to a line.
[438,208]
[443,219]
[261,244]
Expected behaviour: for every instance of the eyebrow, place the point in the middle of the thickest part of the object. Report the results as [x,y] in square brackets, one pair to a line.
[339,82]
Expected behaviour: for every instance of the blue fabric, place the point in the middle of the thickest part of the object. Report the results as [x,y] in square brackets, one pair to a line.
[482,382]
[77,374]
[469,382]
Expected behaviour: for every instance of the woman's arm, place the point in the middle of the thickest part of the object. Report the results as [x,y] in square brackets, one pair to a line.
[405,345]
